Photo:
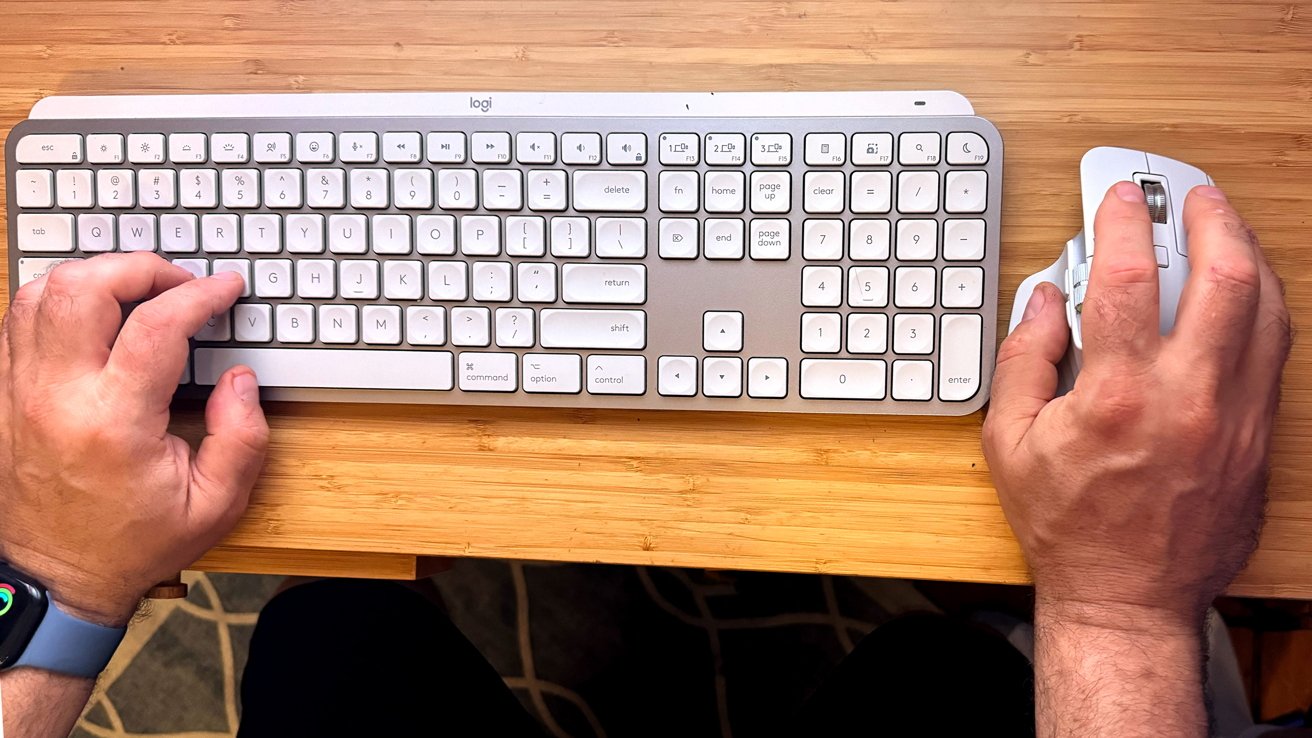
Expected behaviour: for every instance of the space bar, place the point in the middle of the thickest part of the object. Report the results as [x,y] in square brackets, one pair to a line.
[330,368]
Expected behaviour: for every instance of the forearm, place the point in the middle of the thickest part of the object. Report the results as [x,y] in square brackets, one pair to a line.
[41,704]
[1120,674]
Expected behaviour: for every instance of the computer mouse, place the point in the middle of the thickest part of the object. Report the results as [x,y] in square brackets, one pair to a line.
[1165,183]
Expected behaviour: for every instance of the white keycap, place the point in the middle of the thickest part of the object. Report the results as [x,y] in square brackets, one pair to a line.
[722,331]
[917,192]
[95,232]
[217,328]
[49,148]
[316,278]
[621,238]
[332,368]
[535,148]
[402,147]
[867,287]
[914,287]
[448,280]
[679,149]
[617,375]
[380,325]
[626,149]
[767,377]
[457,189]
[867,333]
[553,373]
[825,149]
[480,235]
[963,287]
[872,192]
[413,188]
[490,147]
[918,149]
[314,148]
[358,279]
[722,376]
[273,148]
[425,325]
[822,240]
[114,188]
[913,380]
[604,284]
[843,379]
[726,149]
[369,188]
[261,233]
[197,267]
[963,240]
[571,237]
[772,149]
[491,281]
[771,192]
[580,148]
[503,189]
[679,192]
[157,188]
[273,278]
[614,190]
[770,239]
[35,188]
[822,333]
[678,238]
[471,326]
[546,190]
[32,268]
[347,234]
[75,188]
[338,324]
[325,188]
[514,327]
[526,236]
[723,238]
[241,188]
[178,233]
[45,232]
[293,324]
[483,372]
[917,239]
[676,376]
[435,234]
[872,149]
[359,147]
[822,286]
[305,233]
[725,192]
[187,148]
[282,188]
[105,148]
[220,233]
[230,148]
[136,231]
[965,148]
[959,357]
[869,240]
[198,188]
[390,233]
[536,282]
[822,192]
[967,192]
[252,323]
[913,334]
[593,329]
[403,280]
[236,266]
[446,147]
[146,148]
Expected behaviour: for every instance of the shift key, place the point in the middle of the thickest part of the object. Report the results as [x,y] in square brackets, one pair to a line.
[593,329]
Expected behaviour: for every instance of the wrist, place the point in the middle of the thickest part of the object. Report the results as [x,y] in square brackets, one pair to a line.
[80,593]
[1126,619]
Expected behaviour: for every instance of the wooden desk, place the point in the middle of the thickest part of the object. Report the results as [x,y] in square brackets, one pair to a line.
[364,490]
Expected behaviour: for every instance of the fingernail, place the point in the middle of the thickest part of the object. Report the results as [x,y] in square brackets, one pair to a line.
[1214,193]
[230,276]
[247,388]
[1129,192]
[1035,306]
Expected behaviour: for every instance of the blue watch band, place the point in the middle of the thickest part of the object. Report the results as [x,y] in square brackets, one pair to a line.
[68,645]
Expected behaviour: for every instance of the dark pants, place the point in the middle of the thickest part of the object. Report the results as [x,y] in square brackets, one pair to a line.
[360,658]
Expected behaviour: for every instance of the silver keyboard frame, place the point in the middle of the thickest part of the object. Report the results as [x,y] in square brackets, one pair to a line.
[679,291]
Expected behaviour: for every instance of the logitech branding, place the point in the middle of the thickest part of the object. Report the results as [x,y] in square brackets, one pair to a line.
[484,104]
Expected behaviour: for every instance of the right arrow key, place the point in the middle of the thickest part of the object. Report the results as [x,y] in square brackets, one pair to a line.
[767,377]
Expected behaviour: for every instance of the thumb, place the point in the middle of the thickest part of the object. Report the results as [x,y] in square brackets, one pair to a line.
[231,455]
[1025,379]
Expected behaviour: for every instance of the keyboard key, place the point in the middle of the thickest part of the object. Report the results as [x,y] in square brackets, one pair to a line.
[722,376]
[679,192]
[491,281]
[448,280]
[514,327]
[822,240]
[485,372]
[261,233]
[967,192]
[571,237]
[35,188]
[535,148]
[230,148]
[314,148]
[580,148]
[965,149]
[913,380]
[75,188]
[771,192]
[435,234]
[114,188]
[95,232]
[867,287]
[490,147]
[49,148]
[872,149]
[471,326]
[822,286]
[187,148]
[413,188]
[198,188]
[240,188]
[963,287]
[676,376]
[197,267]
[292,324]
[358,279]
[329,368]
[915,287]
[403,280]
[723,238]
[325,188]
[917,239]
[823,192]
[678,238]
[252,323]
[626,149]
[917,192]
[156,188]
[45,232]
[380,325]
[220,233]
[457,189]
[425,325]
[305,233]
[918,149]
[593,329]
[359,147]
[722,331]
[270,148]
[347,234]
[913,334]
[217,328]
[770,240]
[679,149]
[767,377]
[959,357]
[617,375]
[546,190]
[843,379]
[821,333]
[503,189]
[316,279]
[869,240]
[526,236]
[282,188]
[402,147]
[872,192]
[146,148]
[446,147]
[273,278]
[613,190]
[772,149]
[726,149]
[369,188]
[536,282]
[136,231]
[560,374]
[825,149]
[32,268]
[621,238]
[104,148]
[963,240]
[236,266]
[390,233]
[867,333]
[480,235]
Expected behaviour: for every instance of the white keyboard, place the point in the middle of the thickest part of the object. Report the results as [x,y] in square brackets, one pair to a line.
[795,252]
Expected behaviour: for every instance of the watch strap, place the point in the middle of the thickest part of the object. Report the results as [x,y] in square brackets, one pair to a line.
[68,645]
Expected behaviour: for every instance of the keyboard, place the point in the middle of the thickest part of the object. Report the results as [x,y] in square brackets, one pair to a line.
[831,252]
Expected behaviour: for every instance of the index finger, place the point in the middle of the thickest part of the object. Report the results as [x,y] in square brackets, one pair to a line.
[1119,319]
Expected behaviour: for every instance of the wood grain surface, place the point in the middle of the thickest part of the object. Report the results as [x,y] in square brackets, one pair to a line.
[1224,85]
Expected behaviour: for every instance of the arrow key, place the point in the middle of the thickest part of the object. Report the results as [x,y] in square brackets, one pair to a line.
[722,376]
[677,376]
[767,377]
[722,331]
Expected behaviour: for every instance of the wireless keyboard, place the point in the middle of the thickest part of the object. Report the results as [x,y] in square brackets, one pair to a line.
[794,252]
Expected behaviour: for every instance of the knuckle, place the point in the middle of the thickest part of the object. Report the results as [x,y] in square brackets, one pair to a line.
[1235,275]
[66,279]
[1120,402]
[1237,228]
[1130,269]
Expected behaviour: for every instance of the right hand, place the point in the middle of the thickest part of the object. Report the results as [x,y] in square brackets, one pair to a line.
[100,502]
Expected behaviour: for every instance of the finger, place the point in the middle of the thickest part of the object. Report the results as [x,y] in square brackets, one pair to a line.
[1025,379]
[1119,318]
[1218,306]
[1272,332]
[231,455]
[151,350]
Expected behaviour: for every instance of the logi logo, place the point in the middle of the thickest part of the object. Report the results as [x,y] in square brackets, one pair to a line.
[6,598]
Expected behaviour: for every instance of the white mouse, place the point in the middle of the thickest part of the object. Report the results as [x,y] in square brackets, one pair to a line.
[1165,183]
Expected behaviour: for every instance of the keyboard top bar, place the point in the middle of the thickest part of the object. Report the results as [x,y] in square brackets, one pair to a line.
[504,104]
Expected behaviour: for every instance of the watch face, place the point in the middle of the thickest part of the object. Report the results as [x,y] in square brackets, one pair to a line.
[22,607]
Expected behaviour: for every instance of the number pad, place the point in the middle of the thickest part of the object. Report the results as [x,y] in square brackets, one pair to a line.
[913,334]
[915,287]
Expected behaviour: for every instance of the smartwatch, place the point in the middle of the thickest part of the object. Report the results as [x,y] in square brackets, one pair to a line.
[36,632]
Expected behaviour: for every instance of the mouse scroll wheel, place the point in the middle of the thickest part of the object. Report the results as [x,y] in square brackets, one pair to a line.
[1155,194]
